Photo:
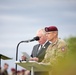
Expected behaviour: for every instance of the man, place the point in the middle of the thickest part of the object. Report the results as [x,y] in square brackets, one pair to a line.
[57,49]
[13,71]
[39,50]
[4,71]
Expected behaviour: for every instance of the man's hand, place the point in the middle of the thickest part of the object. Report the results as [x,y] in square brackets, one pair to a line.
[23,58]
[34,59]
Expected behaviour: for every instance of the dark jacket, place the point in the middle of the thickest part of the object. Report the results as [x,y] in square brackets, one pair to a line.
[41,53]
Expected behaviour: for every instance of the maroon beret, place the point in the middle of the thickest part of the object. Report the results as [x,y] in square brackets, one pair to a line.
[12,69]
[22,70]
[51,28]
[18,71]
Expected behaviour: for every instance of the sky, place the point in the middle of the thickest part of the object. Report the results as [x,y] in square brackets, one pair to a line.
[20,20]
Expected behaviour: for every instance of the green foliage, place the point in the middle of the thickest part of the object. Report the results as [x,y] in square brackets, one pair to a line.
[72,49]
[71,57]
[72,44]
[67,66]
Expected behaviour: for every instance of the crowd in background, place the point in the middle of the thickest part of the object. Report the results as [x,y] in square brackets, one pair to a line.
[4,70]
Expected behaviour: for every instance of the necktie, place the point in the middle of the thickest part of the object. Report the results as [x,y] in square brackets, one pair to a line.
[40,47]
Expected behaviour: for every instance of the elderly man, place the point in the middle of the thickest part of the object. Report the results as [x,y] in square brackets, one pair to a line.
[39,50]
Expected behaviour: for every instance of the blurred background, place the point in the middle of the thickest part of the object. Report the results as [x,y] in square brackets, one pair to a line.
[20,20]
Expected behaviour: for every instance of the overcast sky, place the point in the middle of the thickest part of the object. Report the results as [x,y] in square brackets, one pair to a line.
[20,19]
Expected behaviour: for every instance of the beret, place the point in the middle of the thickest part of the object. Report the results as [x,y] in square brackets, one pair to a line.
[51,28]
[23,70]
[12,69]
[18,71]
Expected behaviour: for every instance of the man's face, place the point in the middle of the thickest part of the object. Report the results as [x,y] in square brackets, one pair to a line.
[42,39]
[6,67]
[50,35]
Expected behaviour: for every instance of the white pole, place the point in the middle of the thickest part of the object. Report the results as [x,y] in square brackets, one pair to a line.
[32,71]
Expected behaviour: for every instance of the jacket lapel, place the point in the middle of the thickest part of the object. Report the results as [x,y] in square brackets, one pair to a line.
[43,49]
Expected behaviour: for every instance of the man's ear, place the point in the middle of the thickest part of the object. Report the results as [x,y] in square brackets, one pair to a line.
[55,33]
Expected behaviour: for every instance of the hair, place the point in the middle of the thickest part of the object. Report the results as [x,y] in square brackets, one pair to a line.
[6,64]
[56,32]
[42,31]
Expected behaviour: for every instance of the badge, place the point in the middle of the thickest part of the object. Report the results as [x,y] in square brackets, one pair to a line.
[63,48]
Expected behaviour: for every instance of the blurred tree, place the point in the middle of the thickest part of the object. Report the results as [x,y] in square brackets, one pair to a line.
[67,66]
